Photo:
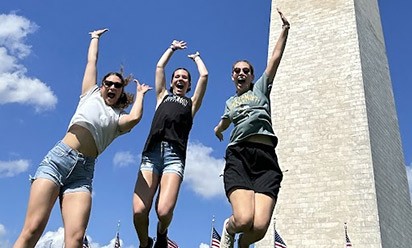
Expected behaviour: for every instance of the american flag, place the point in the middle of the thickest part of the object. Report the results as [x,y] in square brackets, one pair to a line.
[279,243]
[85,242]
[117,241]
[171,244]
[215,239]
[348,243]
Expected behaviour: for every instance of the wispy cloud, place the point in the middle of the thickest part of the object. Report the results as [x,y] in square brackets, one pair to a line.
[3,241]
[202,172]
[15,85]
[13,168]
[124,159]
[202,245]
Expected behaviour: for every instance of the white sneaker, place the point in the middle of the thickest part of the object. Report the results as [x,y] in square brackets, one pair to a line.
[227,239]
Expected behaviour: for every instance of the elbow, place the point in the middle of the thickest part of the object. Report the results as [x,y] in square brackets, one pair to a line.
[204,75]
[135,119]
[92,61]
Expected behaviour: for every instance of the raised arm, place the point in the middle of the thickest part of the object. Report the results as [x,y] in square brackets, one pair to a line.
[277,53]
[90,73]
[128,121]
[200,90]
[160,78]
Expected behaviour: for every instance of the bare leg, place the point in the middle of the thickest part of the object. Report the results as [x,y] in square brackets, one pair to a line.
[43,195]
[264,206]
[75,208]
[166,201]
[144,191]
[243,208]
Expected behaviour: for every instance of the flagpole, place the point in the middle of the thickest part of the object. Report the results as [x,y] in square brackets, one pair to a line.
[117,238]
[346,230]
[211,231]
[274,229]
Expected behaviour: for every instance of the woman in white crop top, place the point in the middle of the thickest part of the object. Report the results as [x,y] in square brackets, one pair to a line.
[67,170]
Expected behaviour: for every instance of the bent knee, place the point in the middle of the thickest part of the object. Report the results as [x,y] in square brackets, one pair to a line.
[139,214]
[141,209]
[243,223]
[259,232]
[73,241]
[34,229]
[74,236]
[164,213]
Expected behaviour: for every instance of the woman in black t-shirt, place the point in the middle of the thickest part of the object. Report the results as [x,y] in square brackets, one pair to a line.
[164,154]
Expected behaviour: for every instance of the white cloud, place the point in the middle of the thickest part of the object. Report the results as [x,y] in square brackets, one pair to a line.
[203,245]
[52,239]
[202,172]
[13,30]
[15,85]
[13,168]
[2,230]
[56,240]
[124,159]
[3,242]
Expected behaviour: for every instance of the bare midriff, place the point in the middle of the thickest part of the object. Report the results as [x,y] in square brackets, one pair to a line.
[261,139]
[81,140]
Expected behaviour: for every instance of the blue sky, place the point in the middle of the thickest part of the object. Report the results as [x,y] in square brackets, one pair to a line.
[42,58]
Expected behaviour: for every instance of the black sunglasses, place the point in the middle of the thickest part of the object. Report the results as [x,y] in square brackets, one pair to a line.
[245,70]
[109,84]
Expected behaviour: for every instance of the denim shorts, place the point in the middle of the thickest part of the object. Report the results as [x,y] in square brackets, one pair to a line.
[163,158]
[67,168]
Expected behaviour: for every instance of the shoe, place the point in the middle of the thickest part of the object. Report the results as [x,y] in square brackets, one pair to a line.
[227,239]
[149,243]
[161,240]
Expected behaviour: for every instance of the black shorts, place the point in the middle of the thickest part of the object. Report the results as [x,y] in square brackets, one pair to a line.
[252,166]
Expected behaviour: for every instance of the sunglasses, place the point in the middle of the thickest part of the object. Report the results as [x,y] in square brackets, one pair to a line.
[245,70]
[109,84]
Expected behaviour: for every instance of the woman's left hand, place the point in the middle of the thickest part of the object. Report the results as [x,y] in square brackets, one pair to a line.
[143,88]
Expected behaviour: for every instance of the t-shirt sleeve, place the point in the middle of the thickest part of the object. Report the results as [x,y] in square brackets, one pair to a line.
[226,114]
[263,84]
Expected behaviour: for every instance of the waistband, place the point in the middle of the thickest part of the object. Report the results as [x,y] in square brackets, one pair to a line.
[253,145]
[74,152]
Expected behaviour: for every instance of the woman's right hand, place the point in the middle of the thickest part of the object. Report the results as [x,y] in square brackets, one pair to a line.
[176,44]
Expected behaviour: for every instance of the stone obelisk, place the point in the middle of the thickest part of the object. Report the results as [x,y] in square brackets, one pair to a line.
[339,146]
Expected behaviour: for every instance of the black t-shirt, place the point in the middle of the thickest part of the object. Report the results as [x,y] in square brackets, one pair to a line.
[172,122]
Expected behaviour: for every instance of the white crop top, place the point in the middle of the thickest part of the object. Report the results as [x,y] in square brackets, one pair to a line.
[101,120]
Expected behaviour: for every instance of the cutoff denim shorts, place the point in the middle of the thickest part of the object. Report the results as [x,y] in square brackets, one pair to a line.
[163,158]
[67,168]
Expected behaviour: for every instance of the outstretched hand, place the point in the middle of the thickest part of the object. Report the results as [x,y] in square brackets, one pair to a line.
[176,44]
[143,88]
[285,21]
[194,55]
[98,33]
